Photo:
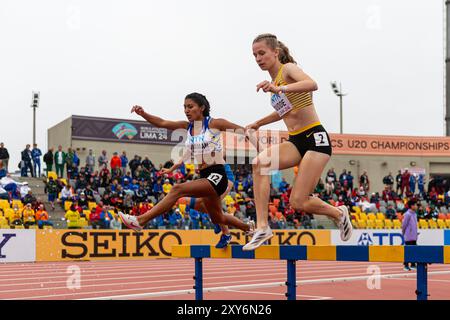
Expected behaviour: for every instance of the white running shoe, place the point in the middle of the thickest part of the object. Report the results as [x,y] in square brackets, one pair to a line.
[130,221]
[259,237]
[345,225]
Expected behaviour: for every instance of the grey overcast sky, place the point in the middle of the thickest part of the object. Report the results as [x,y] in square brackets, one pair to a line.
[100,57]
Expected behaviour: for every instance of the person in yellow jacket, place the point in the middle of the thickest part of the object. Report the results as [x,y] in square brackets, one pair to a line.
[9,213]
[72,217]
[16,216]
[28,215]
[167,186]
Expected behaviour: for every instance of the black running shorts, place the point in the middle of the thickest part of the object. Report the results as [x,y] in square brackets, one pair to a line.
[314,139]
[217,177]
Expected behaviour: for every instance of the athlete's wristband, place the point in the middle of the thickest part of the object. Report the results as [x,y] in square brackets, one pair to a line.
[283,89]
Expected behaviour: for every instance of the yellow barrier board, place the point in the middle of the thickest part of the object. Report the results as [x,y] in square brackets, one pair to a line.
[386,253]
[68,245]
[447,255]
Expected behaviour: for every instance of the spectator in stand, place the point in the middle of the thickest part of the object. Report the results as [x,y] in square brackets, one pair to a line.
[103,160]
[48,160]
[89,193]
[195,218]
[60,161]
[90,161]
[52,191]
[332,176]
[409,229]
[42,217]
[175,219]
[28,215]
[375,198]
[350,180]
[116,224]
[26,162]
[343,177]
[116,165]
[36,154]
[73,216]
[104,176]
[69,163]
[94,217]
[412,183]
[29,198]
[388,194]
[239,184]
[106,218]
[283,186]
[405,182]
[364,181]
[16,216]
[124,162]
[66,194]
[389,180]
[330,181]
[167,186]
[83,201]
[421,184]
[306,220]
[76,160]
[147,164]
[431,213]
[390,212]
[134,164]
[4,156]
[398,180]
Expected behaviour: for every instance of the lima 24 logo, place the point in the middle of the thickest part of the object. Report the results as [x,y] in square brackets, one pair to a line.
[365,240]
[124,130]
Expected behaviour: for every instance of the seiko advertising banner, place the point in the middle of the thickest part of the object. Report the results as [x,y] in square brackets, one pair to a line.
[127,131]
[17,245]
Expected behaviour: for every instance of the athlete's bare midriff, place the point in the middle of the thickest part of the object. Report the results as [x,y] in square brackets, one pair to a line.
[297,119]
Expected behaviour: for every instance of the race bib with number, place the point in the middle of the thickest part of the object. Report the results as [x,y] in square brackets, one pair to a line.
[321,139]
[215,178]
[281,104]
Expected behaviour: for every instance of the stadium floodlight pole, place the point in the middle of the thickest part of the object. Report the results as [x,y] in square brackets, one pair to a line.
[338,92]
[34,105]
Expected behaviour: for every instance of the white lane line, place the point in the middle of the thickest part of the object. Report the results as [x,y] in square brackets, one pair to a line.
[95,271]
[153,274]
[251,285]
[281,294]
[139,281]
[261,285]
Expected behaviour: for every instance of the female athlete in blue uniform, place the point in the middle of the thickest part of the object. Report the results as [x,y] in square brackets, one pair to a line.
[203,147]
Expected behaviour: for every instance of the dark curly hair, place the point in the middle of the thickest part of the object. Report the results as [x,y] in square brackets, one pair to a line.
[201,100]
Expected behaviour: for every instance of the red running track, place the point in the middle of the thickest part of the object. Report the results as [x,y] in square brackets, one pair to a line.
[223,279]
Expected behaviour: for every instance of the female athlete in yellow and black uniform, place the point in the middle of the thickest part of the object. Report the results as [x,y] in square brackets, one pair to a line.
[309,144]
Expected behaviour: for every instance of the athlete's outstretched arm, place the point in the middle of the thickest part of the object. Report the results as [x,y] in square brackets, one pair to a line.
[271,118]
[159,122]
[225,125]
